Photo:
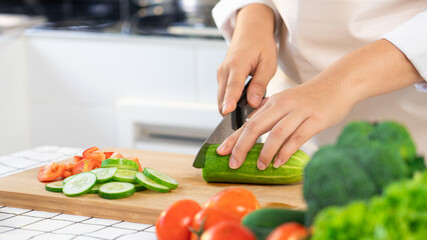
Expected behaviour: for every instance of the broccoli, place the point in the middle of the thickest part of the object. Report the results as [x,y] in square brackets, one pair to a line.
[400,213]
[355,134]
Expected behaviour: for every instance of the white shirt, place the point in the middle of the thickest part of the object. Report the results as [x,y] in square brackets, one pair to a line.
[312,34]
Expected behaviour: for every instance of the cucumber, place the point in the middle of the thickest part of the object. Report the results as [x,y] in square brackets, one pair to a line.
[80,184]
[95,189]
[150,184]
[160,177]
[54,186]
[125,175]
[216,168]
[68,179]
[116,190]
[120,163]
[139,187]
[262,221]
[104,174]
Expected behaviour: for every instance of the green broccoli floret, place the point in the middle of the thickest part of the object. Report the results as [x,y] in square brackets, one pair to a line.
[400,213]
[332,177]
[355,134]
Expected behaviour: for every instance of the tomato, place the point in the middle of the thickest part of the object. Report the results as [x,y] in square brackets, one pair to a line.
[108,154]
[89,151]
[77,159]
[135,159]
[96,155]
[288,231]
[236,200]
[209,217]
[112,155]
[51,172]
[228,230]
[173,222]
[67,174]
[86,165]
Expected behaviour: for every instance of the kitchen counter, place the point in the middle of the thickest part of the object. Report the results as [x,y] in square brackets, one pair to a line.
[17,223]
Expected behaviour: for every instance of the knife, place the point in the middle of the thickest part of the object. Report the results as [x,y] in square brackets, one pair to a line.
[226,127]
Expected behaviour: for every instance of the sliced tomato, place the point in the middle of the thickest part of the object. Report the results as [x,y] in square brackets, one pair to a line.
[89,151]
[67,174]
[77,159]
[86,165]
[135,159]
[51,172]
[69,166]
[108,154]
[97,155]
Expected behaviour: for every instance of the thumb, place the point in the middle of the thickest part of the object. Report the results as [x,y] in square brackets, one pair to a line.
[262,76]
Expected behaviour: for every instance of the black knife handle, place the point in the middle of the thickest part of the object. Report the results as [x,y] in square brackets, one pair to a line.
[239,115]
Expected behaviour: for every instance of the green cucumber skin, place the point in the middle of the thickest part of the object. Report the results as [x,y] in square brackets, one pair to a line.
[158,180]
[263,221]
[216,168]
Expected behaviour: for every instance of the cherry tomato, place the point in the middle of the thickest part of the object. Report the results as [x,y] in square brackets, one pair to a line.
[236,200]
[228,230]
[288,231]
[135,159]
[209,217]
[86,165]
[51,172]
[173,223]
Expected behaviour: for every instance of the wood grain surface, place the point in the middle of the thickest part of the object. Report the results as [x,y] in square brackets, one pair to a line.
[23,190]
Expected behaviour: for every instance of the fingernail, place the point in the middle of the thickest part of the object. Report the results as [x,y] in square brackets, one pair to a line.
[221,148]
[261,165]
[255,99]
[233,163]
[224,108]
[277,163]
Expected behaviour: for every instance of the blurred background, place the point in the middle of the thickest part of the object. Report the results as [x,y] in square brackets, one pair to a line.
[129,73]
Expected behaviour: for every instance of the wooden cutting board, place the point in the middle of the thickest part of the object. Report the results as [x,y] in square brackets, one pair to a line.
[23,190]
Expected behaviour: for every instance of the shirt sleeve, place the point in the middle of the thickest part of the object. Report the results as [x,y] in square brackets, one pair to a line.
[411,39]
[224,14]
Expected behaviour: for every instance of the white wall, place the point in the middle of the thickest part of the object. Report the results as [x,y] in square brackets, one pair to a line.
[14,119]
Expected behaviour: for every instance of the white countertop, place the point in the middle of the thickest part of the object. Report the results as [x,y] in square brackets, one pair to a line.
[17,224]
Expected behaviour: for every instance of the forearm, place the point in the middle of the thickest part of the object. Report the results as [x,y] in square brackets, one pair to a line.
[255,20]
[372,70]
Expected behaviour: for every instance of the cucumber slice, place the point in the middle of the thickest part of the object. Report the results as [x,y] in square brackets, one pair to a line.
[139,187]
[160,177]
[120,163]
[125,175]
[95,189]
[54,186]
[80,184]
[150,184]
[68,179]
[104,174]
[116,190]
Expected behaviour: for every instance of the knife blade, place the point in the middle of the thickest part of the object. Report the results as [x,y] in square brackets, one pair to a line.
[226,127]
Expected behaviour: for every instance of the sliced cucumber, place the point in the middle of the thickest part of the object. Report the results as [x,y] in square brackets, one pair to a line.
[139,187]
[95,189]
[68,179]
[80,184]
[54,186]
[116,190]
[150,184]
[104,174]
[160,177]
[125,175]
[120,163]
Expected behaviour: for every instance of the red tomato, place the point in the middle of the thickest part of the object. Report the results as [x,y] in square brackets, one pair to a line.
[86,165]
[69,166]
[228,230]
[108,154]
[96,155]
[113,155]
[89,151]
[209,217]
[174,221]
[77,159]
[288,231]
[67,174]
[236,200]
[51,172]
[135,159]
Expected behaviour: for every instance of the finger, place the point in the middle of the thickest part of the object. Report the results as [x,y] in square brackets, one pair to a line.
[259,124]
[233,90]
[260,80]
[302,134]
[259,108]
[227,145]
[279,133]
[222,76]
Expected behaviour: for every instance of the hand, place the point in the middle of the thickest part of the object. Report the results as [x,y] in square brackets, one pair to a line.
[252,51]
[297,114]
[293,116]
